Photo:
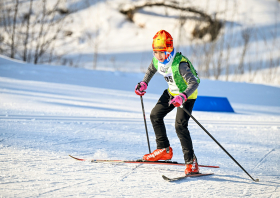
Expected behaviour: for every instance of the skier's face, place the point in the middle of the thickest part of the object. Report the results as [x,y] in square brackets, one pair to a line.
[159,55]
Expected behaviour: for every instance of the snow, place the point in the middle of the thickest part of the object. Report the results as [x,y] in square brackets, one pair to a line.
[125,46]
[48,112]
[102,38]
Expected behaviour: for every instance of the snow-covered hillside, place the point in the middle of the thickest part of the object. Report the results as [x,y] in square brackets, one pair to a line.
[48,112]
[97,36]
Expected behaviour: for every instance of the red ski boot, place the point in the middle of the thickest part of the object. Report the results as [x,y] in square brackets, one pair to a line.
[192,168]
[159,154]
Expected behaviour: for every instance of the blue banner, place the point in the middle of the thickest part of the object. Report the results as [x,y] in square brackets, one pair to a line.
[208,103]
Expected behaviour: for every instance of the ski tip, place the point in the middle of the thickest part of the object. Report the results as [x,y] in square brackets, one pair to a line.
[77,158]
[166,178]
[72,157]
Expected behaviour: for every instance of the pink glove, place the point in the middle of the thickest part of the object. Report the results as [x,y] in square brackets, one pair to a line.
[140,88]
[177,101]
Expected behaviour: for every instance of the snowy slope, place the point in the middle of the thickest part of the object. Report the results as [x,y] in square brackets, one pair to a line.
[125,46]
[102,38]
[48,112]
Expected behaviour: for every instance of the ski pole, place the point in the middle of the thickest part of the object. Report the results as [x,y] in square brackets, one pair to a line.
[145,124]
[256,180]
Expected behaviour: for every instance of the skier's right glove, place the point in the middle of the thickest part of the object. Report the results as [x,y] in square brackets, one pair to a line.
[140,88]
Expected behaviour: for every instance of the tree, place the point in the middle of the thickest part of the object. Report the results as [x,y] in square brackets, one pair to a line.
[31,35]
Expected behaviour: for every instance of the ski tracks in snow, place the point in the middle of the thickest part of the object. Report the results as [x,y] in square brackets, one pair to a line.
[64,187]
[125,175]
[263,158]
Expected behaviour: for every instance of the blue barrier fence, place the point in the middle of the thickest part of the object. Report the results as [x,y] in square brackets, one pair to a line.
[208,103]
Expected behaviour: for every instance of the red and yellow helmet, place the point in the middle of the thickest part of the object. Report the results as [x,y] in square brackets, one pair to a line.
[162,41]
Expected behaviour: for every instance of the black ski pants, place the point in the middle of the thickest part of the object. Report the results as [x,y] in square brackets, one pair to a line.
[161,109]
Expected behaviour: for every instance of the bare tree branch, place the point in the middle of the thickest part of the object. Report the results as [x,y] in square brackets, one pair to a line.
[27,32]
[14,31]
[213,27]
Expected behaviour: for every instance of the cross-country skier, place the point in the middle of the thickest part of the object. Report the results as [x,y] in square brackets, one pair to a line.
[183,81]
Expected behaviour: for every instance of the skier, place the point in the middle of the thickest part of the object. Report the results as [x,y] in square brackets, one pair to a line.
[183,82]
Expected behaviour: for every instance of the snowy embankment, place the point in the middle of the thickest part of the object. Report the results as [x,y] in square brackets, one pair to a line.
[48,112]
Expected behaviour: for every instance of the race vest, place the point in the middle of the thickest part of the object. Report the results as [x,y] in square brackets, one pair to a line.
[176,83]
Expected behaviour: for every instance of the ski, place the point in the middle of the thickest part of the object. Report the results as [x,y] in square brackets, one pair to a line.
[183,177]
[140,161]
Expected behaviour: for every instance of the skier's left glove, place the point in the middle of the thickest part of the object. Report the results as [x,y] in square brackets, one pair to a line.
[177,101]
